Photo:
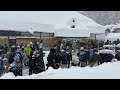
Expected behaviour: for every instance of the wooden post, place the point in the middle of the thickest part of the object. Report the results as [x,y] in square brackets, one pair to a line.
[40,35]
[8,38]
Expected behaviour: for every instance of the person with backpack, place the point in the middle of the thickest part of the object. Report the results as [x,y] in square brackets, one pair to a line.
[81,55]
[65,59]
[11,54]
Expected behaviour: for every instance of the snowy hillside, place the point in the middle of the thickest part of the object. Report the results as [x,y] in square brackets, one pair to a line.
[104,71]
[103,17]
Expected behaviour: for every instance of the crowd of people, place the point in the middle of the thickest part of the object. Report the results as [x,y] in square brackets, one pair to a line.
[15,58]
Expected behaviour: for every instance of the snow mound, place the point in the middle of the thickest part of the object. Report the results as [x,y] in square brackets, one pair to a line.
[104,71]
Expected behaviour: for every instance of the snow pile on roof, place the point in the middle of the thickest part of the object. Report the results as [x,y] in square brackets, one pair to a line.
[112,36]
[58,18]
[65,32]
[28,27]
[104,71]
[48,21]
[109,26]
[14,27]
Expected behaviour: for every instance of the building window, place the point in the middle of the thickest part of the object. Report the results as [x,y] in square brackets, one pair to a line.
[73,20]
[73,26]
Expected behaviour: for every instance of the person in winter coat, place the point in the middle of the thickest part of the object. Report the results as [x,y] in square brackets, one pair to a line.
[117,56]
[41,46]
[65,59]
[87,56]
[53,59]
[36,62]
[101,58]
[39,61]
[107,42]
[11,54]
[27,50]
[16,66]
[6,64]
[1,66]
[94,59]
[81,55]
[58,58]
[32,62]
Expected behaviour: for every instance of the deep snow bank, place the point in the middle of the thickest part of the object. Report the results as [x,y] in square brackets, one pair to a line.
[104,71]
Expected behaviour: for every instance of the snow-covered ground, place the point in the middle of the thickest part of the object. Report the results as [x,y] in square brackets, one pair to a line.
[104,71]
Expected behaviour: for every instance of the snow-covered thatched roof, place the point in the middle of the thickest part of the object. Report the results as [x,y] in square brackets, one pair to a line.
[49,21]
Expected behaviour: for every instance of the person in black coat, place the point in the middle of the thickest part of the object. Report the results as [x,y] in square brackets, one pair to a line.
[32,62]
[36,62]
[58,59]
[39,61]
[53,59]
[66,58]
[117,56]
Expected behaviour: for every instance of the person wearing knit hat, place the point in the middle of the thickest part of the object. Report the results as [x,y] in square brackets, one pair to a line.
[82,48]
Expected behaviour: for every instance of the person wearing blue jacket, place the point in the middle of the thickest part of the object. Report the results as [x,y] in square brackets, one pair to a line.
[1,65]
